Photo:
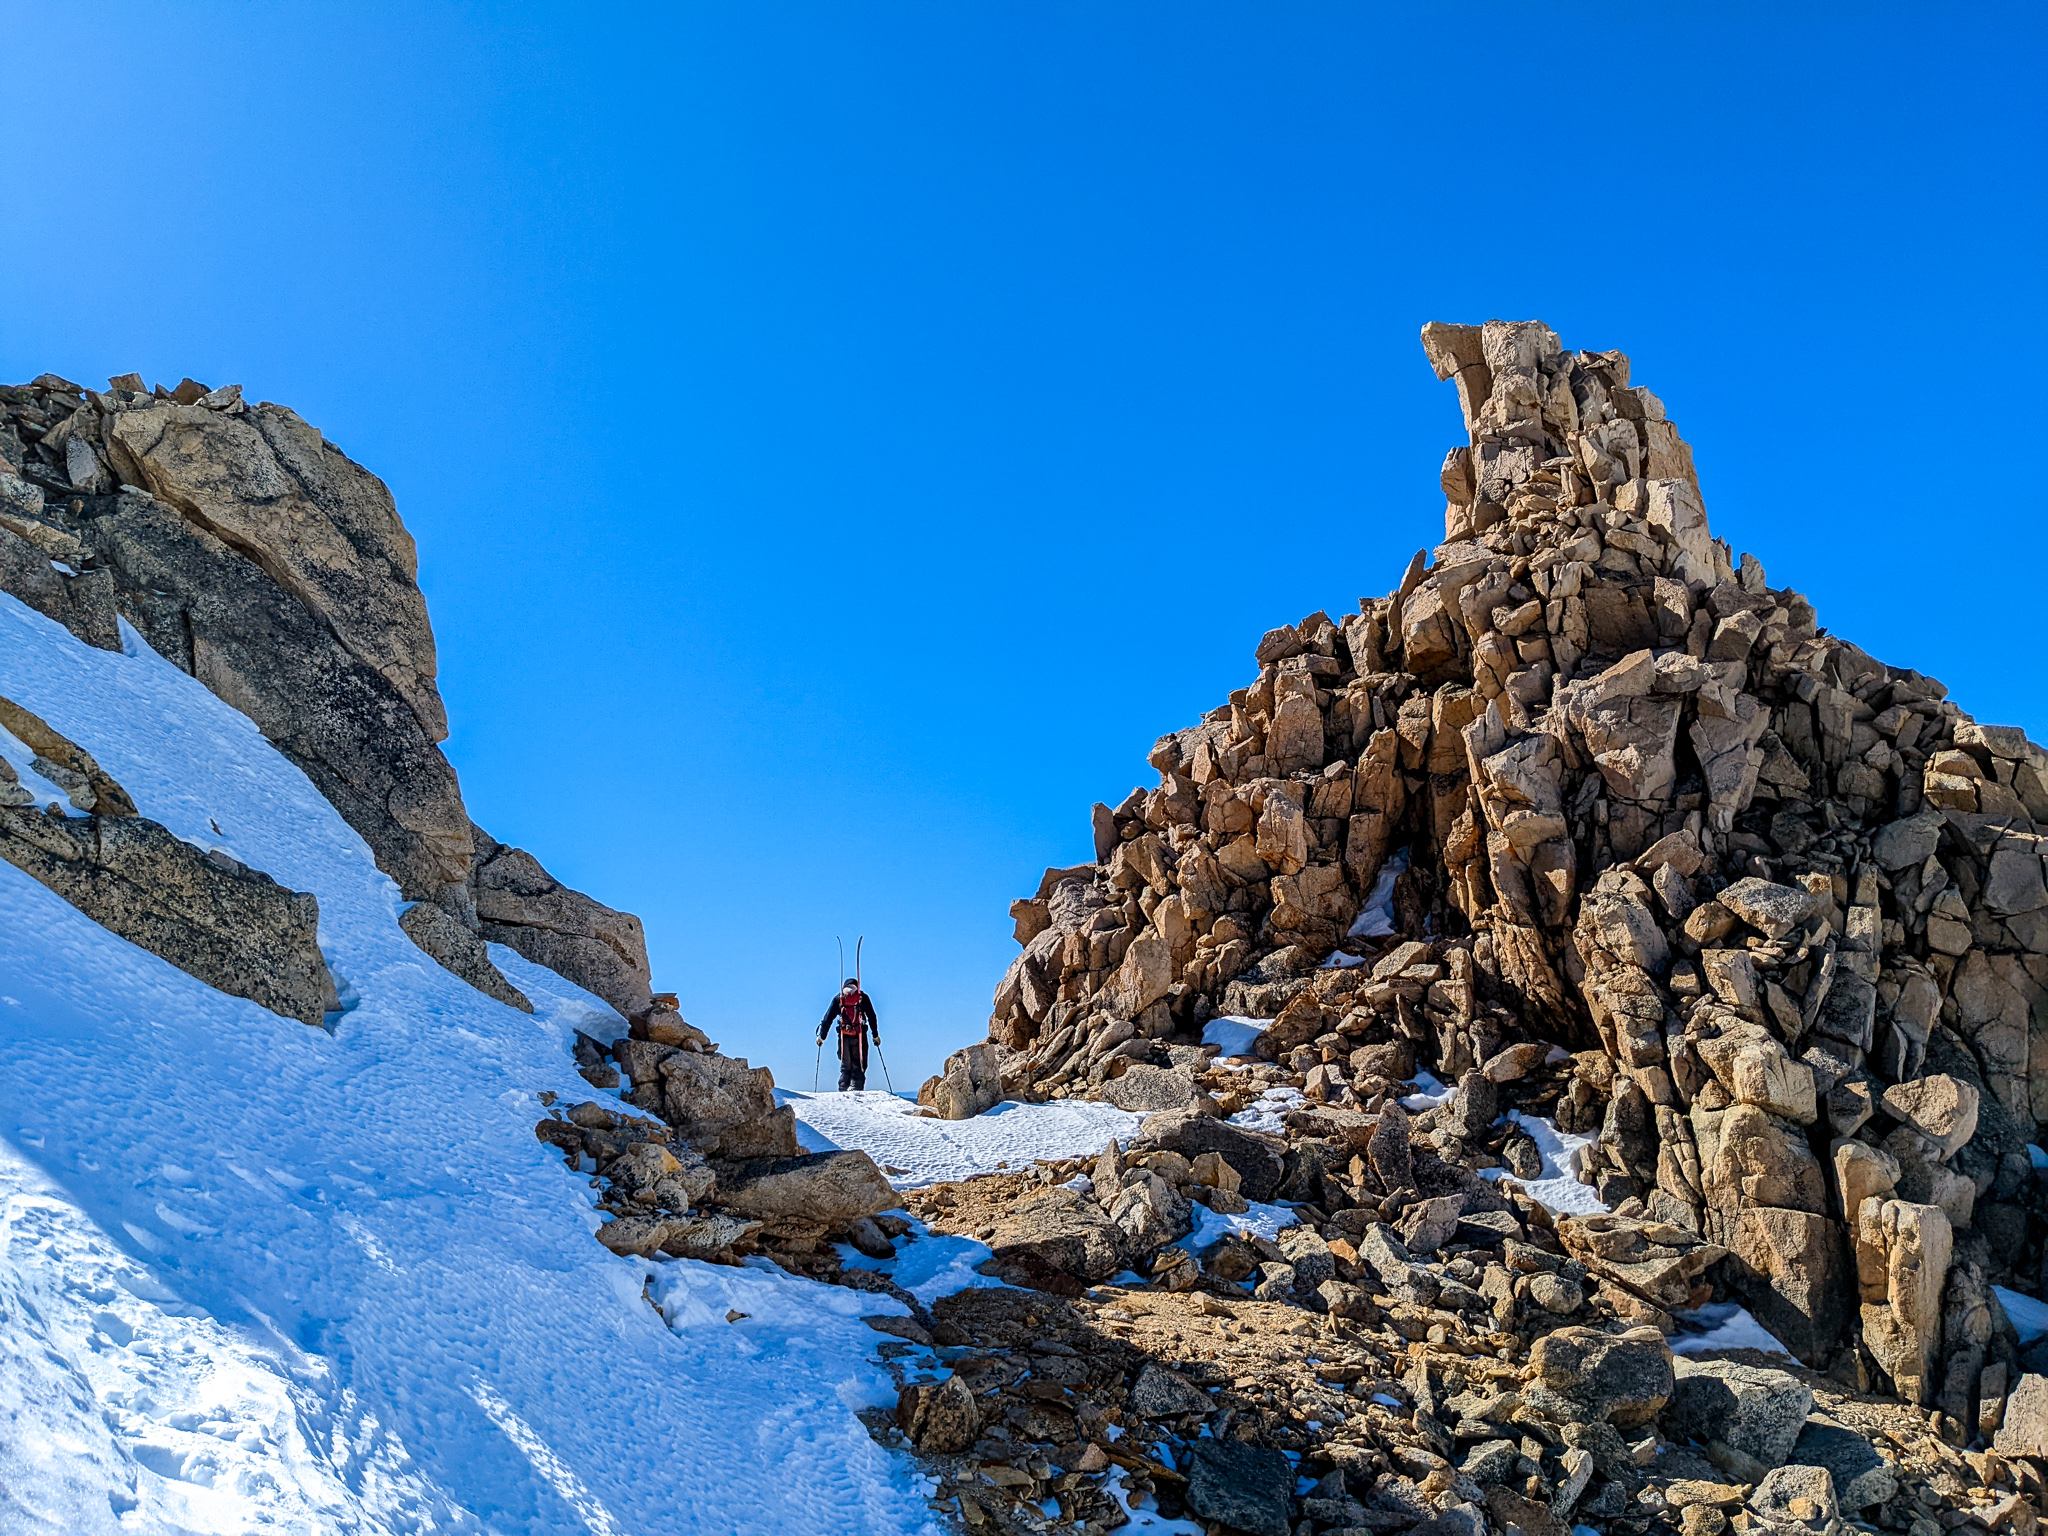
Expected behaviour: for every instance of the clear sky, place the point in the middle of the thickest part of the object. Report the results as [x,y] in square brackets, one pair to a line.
[841,438]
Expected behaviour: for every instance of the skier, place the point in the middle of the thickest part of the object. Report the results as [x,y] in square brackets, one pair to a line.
[855,1012]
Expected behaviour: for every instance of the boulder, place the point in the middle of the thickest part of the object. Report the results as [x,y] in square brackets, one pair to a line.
[1861,1475]
[459,951]
[834,1188]
[232,927]
[220,613]
[724,1108]
[1583,1374]
[522,906]
[1259,1159]
[1246,1487]
[1797,1499]
[2024,1430]
[1150,1090]
[1058,1231]
[1160,1393]
[1773,910]
[1939,1107]
[1792,1268]
[1758,1413]
[1149,1212]
[941,1419]
[970,1082]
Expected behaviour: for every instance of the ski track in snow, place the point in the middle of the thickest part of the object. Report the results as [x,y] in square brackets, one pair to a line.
[930,1151]
[258,1275]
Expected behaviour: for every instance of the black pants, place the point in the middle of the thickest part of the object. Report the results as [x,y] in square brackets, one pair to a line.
[853,1061]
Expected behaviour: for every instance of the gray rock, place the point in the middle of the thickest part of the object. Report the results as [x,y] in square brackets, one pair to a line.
[1149,1212]
[1310,1257]
[1258,1158]
[1428,1224]
[1159,1393]
[1757,1412]
[941,1419]
[232,927]
[1554,1293]
[1861,1476]
[1149,1090]
[1490,1461]
[221,616]
[520,905]
[2024,1431]
[1058,1231]
[1774,910]
[1797,1498]
[1247,1487]
[457,950]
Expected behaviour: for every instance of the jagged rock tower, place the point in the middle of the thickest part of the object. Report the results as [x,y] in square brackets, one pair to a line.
[1586,778]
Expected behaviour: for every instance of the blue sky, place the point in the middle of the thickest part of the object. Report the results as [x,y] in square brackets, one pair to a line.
[841,438]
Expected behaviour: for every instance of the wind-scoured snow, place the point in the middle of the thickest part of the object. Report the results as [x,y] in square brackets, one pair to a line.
[264,1276]
[915,1150]
[1557,1188]
[1211,1227]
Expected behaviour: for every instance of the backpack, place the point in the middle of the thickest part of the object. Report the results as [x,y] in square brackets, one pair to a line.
[849,1012]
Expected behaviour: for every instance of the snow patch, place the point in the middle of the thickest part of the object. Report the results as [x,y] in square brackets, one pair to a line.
[1264,1113]
[1375,919]
[1723,1325]
[1233,1033]
[2028,1316]
[1429,1093]
[1557,1188]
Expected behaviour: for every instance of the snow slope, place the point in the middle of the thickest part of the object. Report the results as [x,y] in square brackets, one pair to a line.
[261,1276]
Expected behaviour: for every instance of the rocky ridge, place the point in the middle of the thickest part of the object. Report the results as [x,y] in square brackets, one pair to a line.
[256,556]
[1592,822]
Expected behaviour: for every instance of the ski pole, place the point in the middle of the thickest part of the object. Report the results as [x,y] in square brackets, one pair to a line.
[816,1062]
[885,1065]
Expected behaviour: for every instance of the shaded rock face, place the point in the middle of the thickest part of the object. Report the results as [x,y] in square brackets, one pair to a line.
[1586,778]
[259,558]
[234,928]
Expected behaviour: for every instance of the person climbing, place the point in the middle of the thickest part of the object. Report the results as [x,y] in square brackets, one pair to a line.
[855,1012]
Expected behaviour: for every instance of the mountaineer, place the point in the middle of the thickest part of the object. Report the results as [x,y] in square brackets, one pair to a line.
[854,1012]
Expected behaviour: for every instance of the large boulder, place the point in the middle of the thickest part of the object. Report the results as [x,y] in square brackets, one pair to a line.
[221,615]
[1758,1413]
[1581,1374]
[268,486]
[233,927]
[833,1189]
[521,905]
[1792,1268]
[1260,1160]
[724,1108]
[971,1081]
[1058,1232]
[1245,1487]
